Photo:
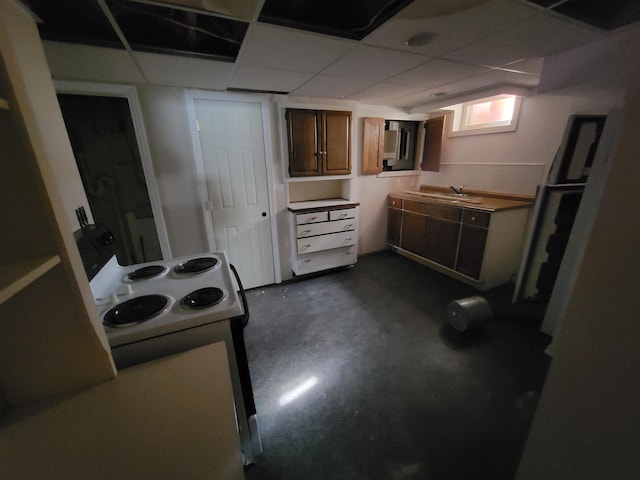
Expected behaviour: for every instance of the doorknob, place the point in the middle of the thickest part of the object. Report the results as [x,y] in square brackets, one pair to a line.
[264,214]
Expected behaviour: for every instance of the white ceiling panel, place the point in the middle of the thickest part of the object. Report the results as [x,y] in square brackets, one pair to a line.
[253,78]
[451,31]
[371,63]
[532,66]
[326,86]
[436,72]
[385,92]
[537,36]
[82,62]
[184,71]
[284,49]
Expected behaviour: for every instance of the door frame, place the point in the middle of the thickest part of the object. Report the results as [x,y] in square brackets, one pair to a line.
[131,94]
[191,97]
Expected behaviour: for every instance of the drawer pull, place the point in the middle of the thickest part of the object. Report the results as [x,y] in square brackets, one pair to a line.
[304,232]
[306,260]
[341,216]
[473,219]
[310,219]
[346,240]
[348,227]
[305,247]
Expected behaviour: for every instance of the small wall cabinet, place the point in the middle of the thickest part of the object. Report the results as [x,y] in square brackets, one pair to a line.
[324,235]
[319,142]
[480,248]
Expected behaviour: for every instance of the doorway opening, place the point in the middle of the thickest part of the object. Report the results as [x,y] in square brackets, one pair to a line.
[104,142]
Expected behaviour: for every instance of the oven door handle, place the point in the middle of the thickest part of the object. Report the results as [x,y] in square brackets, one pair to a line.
[244,319]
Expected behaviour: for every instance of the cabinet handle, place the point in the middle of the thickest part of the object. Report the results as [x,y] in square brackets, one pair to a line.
[347,227]
[304,232]
[342,215]
[346,240]
[473,219]
[304,247]
[310,219]
[306,261]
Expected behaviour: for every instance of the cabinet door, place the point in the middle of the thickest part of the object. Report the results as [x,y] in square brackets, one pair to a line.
[414,233]
[434,129]
[394,223]
[442,241]
[336,143]
[373,145]
[302,133]
[471,250]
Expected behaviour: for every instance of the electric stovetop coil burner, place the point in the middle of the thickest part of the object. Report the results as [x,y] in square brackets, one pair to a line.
[203,298]
[135,310]
[145,273]
[195,265]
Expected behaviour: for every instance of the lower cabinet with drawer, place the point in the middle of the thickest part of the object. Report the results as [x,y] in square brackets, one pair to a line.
[324,238]
[480,248]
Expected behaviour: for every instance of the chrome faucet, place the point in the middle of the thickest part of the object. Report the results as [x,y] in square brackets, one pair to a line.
[457,190]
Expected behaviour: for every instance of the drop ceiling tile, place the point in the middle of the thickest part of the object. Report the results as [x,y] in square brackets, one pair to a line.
[184,72]
[537,36]
[436,72]
[453,30]
[384,92]
[374,64]
[532,66]
[326,86]
[283,49]
[83,62]
[253,78]
[477,83]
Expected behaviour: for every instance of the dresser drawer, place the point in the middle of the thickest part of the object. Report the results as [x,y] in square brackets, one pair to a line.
[327,242]
[474,217]
[315,262]
[303,218]
[313,229]
[342,214]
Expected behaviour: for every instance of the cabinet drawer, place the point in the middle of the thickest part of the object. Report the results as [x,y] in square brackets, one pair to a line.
[474,217]
[315,262]
[342,214]
[439,211]
[327,242]
[302,218]
[394,202]
[312,229]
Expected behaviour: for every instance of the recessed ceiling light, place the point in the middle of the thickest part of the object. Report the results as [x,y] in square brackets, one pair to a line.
[420,40]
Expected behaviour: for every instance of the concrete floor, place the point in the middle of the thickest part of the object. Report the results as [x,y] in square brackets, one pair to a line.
[386,388]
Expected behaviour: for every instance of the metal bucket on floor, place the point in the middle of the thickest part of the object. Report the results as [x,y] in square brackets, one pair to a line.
[469,312]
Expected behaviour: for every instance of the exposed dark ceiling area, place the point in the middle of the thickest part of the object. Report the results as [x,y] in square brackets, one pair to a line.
[149,28]
[352,19]
[604,14]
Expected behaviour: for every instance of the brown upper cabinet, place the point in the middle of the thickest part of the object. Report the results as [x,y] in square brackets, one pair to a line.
[319,142]
[373,145]
[391,145]
[433,132]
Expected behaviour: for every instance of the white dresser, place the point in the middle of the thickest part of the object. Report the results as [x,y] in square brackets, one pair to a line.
[324,235]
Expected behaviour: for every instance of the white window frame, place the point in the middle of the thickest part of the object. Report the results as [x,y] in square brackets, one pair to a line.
[459,113]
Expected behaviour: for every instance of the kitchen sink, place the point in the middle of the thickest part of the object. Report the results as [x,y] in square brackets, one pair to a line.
[450,197]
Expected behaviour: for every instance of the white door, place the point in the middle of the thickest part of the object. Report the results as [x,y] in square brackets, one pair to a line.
[231,140]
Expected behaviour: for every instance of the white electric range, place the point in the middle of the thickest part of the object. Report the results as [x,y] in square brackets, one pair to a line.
[156,309]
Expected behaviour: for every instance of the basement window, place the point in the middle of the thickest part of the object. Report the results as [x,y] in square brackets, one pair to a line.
[495,114]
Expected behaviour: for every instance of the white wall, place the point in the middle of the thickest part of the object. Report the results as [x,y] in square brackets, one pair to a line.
[513,162]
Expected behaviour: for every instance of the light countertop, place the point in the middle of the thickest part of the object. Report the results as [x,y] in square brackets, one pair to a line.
[170,418]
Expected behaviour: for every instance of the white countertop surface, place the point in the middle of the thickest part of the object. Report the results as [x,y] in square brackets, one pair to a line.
[333,202]
[166,419]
